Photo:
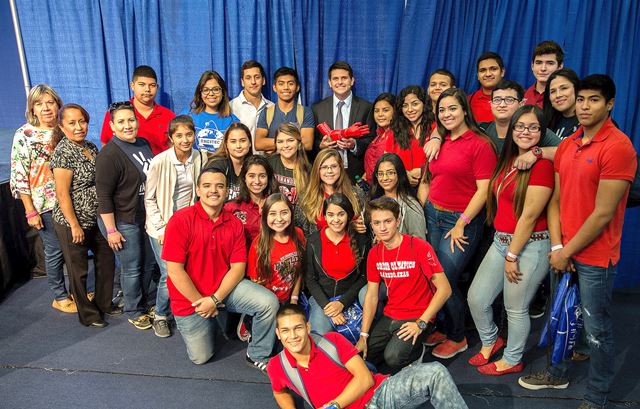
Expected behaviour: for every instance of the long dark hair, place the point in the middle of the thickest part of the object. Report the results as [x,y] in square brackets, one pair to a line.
[391,100]
[342,202]
[272,185]
[265,240]
[197,104]
[552,116]
[401,128]
[58,134]
[403,188]
[509,152]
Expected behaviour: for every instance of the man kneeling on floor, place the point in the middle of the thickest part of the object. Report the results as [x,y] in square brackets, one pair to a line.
[206,257]
[328,373]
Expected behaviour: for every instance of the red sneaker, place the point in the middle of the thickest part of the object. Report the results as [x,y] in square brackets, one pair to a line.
[435,338]
[478,359]
[491,370]
[242,331]
[449,349]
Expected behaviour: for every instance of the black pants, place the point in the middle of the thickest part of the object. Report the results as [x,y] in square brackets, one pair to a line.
[77,261]
[384,346]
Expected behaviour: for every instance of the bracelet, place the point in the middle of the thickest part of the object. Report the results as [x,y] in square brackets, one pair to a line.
[215,299]
[513,256]
[334,404]
[557,247]
[465,218]
[436,137]
[364,334]
[111,231]
[32,214]
[294,298]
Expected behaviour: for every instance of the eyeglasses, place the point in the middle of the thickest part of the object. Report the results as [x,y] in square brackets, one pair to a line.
[506,100]
[114,106]
[531,128]
[214,91]
[389,174]
[332,168]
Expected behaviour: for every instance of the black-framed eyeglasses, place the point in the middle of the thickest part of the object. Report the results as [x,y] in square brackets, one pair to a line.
[214,91]
[534,128]
[506,100]
[114,106]
[389,174]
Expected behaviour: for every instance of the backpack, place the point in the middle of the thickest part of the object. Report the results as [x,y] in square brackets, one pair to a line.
[272,110]
[326,346]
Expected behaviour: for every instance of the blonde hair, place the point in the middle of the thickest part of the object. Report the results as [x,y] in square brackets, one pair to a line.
[313,197]
[35,94]
[302,166]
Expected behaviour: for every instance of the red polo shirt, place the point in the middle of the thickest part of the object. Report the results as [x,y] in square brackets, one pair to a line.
[459,164]
[533,97]
[154,129]
[541,174]
[322,379]
[609,155]
[249,214]
[412,158]
[206,248]
[337,259]
[481,106]
[407,272]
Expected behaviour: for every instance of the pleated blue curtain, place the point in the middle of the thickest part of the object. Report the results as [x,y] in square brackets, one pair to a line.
[87,49]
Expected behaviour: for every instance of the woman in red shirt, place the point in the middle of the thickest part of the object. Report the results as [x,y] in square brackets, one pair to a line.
[454,191]
[384,113]
[517,261]
[256,184]
[336,264]
[277,254]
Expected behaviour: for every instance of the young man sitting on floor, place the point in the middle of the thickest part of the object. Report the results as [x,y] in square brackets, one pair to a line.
[328,373]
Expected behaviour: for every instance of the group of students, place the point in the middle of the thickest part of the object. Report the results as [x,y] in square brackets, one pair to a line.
[250,207]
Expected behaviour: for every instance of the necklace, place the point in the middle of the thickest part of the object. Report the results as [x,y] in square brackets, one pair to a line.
[388,284]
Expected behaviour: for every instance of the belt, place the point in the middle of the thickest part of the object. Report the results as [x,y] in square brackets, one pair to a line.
[441,209]
[506,238]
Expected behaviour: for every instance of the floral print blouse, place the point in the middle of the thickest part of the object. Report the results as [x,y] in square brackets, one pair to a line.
[70,156]
[30,172]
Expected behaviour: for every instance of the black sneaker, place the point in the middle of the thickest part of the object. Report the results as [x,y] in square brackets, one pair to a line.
[114,311]
[118,300]
[161,328]
[537,309]
[262,366]
[542,380]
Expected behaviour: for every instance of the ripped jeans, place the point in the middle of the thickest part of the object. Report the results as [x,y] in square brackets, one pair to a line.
[596,287]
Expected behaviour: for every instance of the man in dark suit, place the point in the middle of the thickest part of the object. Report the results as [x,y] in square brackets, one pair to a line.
[341,110]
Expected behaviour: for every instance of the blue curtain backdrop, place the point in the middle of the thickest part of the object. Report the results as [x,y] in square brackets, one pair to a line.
[87,49]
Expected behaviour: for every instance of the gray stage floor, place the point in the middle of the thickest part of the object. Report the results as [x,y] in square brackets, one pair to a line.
[48,360]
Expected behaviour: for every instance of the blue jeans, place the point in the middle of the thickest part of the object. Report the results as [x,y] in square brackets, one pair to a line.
[319,321]
[438,225]
[596,288]
[490,280]
[246,298]
[416,385]
[53,258]
[162,296]
[138,264]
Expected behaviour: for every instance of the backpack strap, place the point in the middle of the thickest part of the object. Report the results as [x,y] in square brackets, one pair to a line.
[270,112]
[326,346]
[299,114]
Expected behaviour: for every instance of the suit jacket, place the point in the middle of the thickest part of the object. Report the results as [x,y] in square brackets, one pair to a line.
[361,111]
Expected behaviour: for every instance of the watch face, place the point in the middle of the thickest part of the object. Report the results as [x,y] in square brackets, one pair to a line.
[422,325]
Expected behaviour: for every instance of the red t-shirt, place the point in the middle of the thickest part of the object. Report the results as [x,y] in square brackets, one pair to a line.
[337,259]
[459,164]
[609,155]
[406,271]
[541,175]
[154,129]
[284,262]
[481,106]
[533,97]
[375,149]
[206,248]
[411,158]
[249,214]
[322,379]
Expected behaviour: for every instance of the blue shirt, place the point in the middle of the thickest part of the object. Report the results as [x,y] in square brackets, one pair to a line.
[210,129]
[280,117]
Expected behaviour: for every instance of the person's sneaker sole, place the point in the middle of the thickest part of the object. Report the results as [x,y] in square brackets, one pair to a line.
[459,351]
[539,387]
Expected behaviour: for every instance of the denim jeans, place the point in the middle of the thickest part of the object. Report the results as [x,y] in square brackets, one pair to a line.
[138,264]
[384,345]
[596,288]
[490,280]
[246,298]
[438,225]
[53,258]
[162,296]
[415,386]
[319,321]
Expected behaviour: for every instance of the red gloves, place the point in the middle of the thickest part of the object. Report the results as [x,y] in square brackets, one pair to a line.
[354,131]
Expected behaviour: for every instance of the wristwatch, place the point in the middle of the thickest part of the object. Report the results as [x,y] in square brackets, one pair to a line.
[537,152]
[421,324]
